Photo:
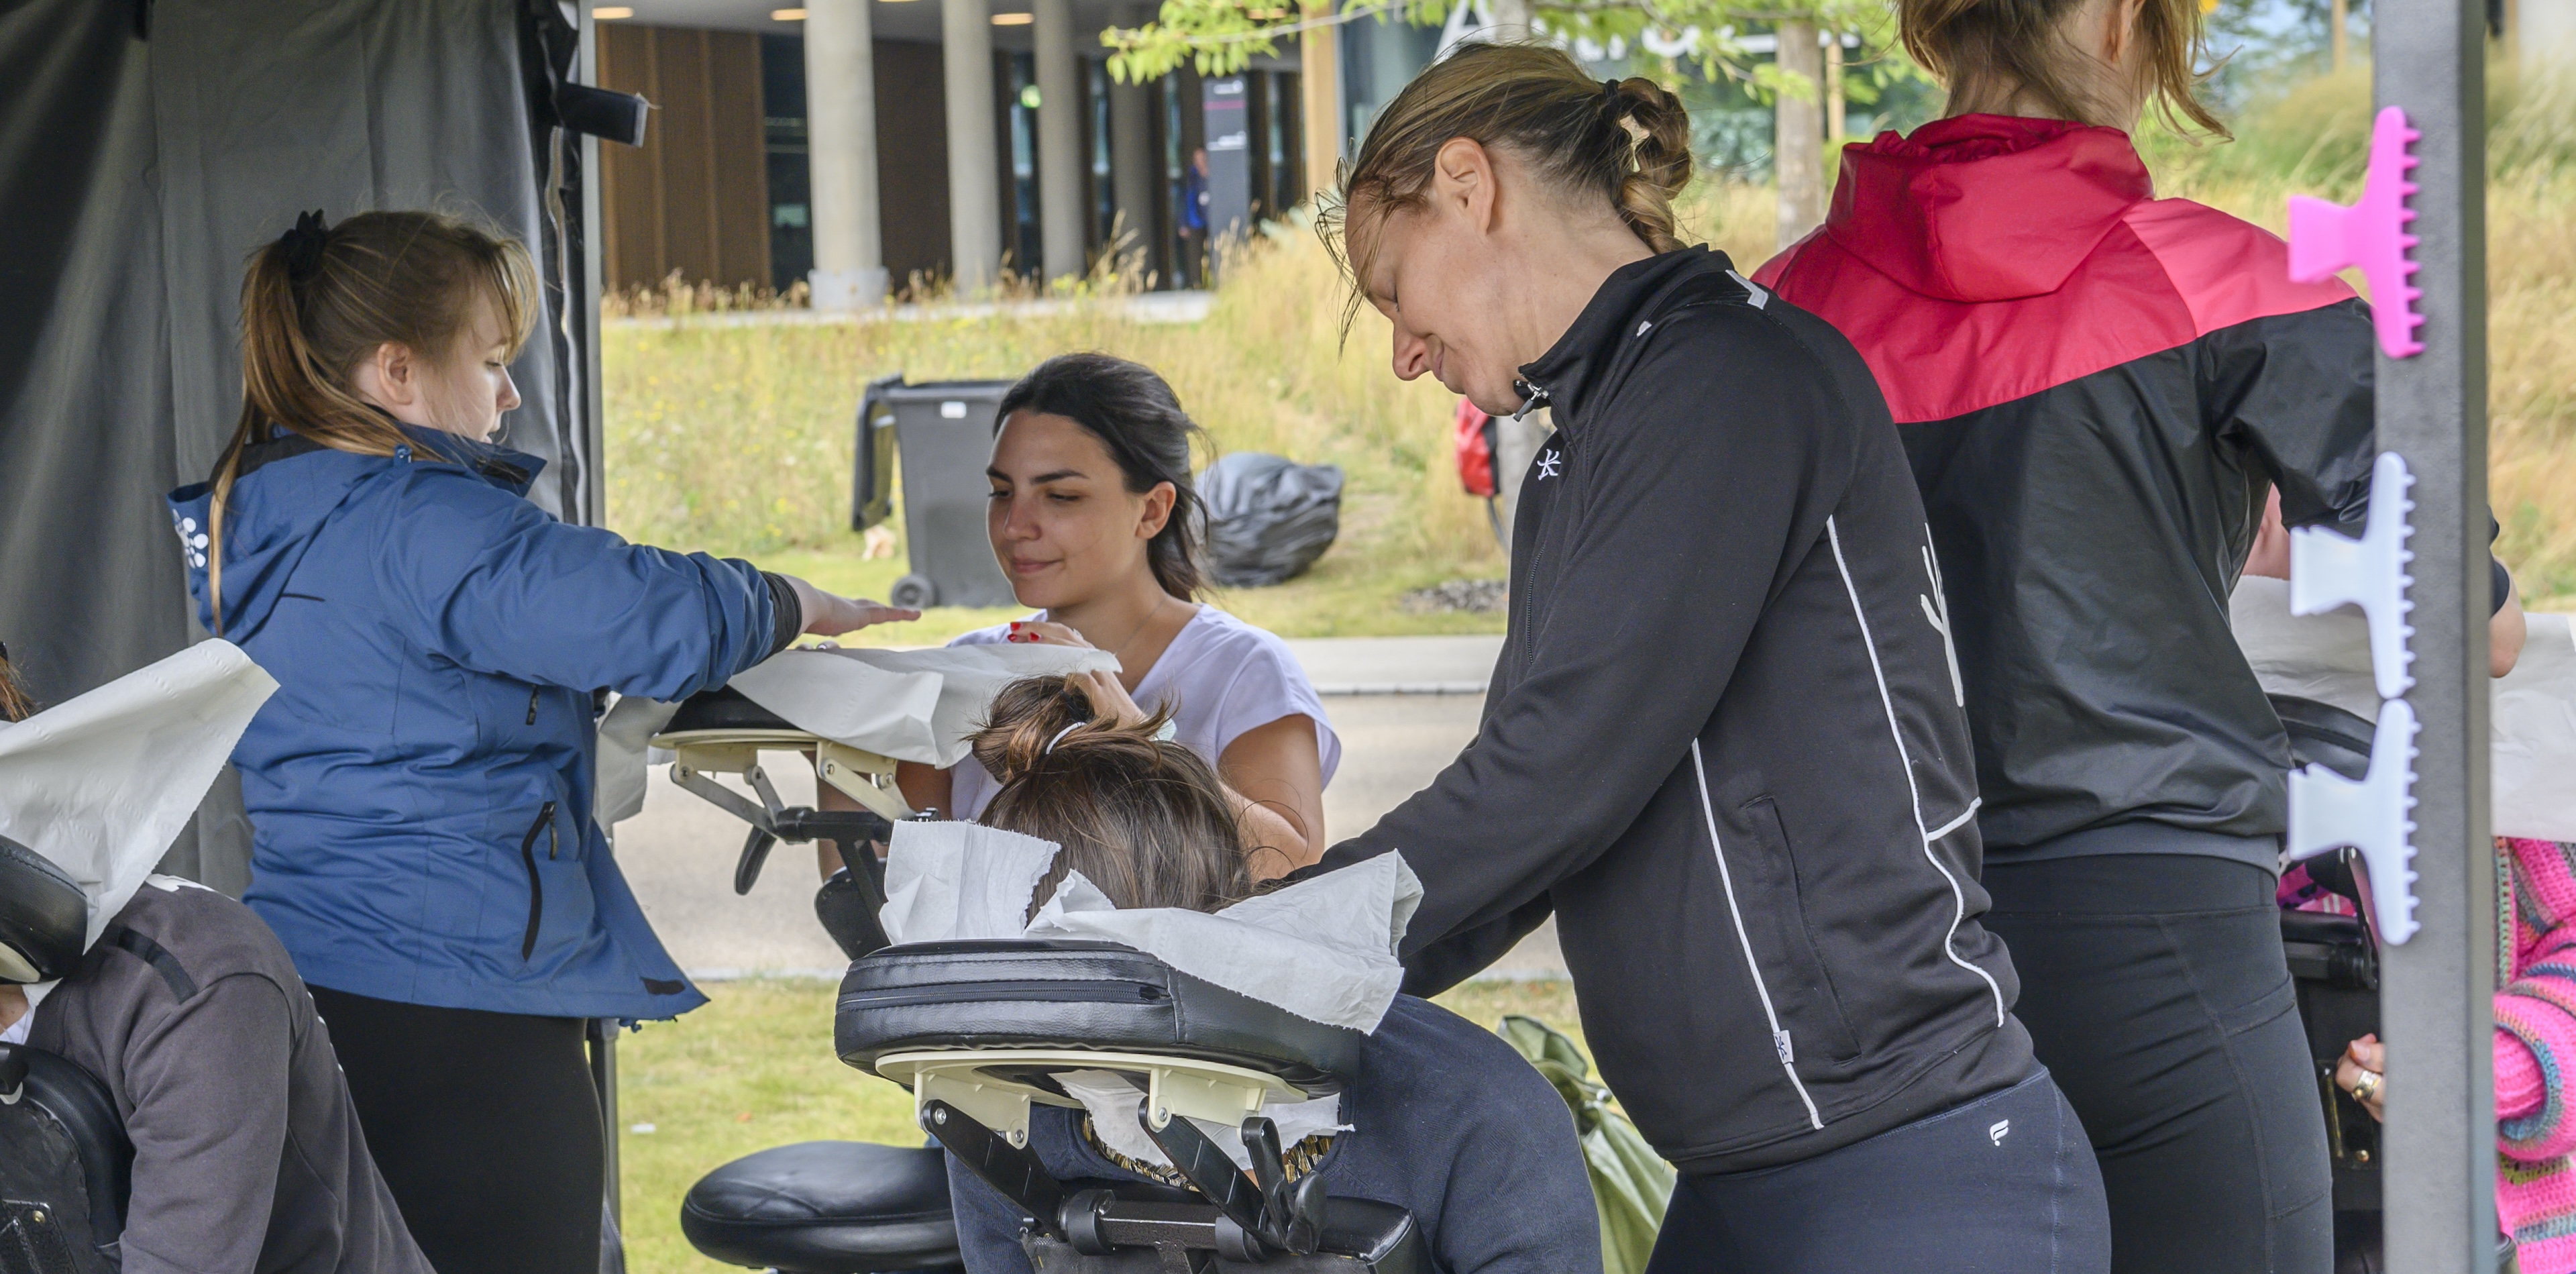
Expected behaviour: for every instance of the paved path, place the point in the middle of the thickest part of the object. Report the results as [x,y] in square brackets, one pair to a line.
[679,853]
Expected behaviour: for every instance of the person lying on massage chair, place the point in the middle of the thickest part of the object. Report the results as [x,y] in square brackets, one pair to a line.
[247,1154]
[1447,1122]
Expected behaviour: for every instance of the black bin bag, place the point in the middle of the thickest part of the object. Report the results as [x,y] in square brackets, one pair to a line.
[1268,517]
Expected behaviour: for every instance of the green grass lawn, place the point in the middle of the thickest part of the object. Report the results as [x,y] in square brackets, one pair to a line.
[755,1069]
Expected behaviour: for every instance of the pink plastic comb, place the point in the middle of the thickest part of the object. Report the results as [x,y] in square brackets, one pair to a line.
[2326,237]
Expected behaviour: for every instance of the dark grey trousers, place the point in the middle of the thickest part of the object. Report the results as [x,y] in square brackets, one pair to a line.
[2002,1185]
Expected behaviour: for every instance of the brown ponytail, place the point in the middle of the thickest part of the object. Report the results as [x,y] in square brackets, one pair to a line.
[1145,820]
[14,703]
[1626,142]
[322,299]
[2004,49]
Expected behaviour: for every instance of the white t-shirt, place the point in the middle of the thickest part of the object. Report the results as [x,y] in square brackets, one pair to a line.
[1222,677]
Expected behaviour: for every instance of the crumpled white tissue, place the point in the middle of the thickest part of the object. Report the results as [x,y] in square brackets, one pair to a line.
[1112,1101]
[1323,949]
[911,705]
[948,882]
[2533,750]
[102,784]
[623,755]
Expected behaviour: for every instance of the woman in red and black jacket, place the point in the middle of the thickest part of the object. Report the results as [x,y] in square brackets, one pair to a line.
[2097,390]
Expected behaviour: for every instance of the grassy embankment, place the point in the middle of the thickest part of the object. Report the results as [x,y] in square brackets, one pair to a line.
[737,439]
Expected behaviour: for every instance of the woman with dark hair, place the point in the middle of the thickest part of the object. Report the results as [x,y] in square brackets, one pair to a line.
[2097,390]
[1723,744]
[1096,524]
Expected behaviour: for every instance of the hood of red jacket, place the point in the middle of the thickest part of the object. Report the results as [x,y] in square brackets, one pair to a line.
[1985,207]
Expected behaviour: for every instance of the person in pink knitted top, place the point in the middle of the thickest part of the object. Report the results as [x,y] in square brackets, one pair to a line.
[2535,1054]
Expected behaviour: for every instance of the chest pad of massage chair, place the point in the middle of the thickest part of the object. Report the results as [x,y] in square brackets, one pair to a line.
[65,1163]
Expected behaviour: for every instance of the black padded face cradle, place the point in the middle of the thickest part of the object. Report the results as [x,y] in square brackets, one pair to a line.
[1087,995]
[2322,734]
[44,917]
[723,708]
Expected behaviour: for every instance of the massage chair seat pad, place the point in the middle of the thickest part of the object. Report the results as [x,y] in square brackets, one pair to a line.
[1025,993]
[826,1207]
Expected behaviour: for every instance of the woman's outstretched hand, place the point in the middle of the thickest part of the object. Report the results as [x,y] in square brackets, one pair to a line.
[2363,1072]
[830,614]
[1110,701]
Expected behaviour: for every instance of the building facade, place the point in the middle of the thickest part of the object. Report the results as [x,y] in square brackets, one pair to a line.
[870,147]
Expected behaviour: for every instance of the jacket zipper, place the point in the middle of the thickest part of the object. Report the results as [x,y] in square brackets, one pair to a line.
[1047,990]
[532,704]
[1780,1043]
[536,887]
[1526,603]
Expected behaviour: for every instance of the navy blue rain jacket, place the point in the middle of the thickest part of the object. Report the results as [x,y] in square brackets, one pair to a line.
[420,785]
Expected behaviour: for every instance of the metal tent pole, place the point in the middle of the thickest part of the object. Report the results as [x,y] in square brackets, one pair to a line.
[2436,989]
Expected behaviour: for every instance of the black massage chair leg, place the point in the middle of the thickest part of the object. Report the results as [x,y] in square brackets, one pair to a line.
[1003,1166]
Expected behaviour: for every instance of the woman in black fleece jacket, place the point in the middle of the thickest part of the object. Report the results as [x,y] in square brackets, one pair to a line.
[1724,741]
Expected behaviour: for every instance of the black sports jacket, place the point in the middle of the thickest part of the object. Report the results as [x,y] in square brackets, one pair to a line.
[1723,742]
[2098,390]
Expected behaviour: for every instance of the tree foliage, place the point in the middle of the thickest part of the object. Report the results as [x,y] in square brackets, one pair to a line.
[1708,38]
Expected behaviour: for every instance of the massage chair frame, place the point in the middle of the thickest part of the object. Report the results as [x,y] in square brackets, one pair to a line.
[976,1100]
[968,1100]
[700,752]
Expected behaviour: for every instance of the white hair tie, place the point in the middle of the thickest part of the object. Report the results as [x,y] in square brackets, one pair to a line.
[1059,737]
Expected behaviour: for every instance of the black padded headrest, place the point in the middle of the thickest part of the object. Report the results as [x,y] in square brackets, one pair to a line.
[723,708]
[44,917]
[1089,995]
[2323,734]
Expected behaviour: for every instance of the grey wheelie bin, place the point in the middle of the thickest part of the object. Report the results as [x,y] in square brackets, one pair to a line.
[943,430]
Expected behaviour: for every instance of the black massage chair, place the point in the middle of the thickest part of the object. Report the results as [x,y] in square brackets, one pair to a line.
[2334,964]
[65,1163]
[977,1031]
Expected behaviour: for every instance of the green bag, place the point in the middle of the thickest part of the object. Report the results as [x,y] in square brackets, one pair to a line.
[1630,1182]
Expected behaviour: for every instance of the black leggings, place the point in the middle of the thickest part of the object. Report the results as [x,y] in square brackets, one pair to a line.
[2003,1184]
[2155,990]
[486,1127]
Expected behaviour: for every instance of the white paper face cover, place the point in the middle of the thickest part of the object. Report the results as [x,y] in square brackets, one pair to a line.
[1323,949]
[102,784]
[912,705]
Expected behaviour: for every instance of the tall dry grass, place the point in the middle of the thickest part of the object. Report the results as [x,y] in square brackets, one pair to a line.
[2314,139]
[734,431]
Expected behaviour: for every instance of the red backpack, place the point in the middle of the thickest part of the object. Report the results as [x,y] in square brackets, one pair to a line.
[1471,436]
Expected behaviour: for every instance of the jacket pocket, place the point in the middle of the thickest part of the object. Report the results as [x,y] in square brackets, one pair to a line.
[544,826]
[1775,923]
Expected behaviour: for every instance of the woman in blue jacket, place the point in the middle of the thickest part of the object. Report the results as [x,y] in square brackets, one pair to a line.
[420,786]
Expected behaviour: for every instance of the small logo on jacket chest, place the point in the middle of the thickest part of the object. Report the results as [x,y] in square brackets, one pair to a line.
[1547,464]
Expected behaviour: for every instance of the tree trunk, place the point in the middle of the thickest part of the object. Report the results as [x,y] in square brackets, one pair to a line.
[1798,151]
[1513,19]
